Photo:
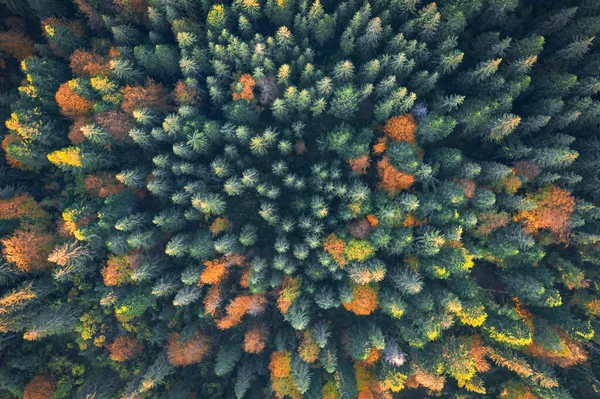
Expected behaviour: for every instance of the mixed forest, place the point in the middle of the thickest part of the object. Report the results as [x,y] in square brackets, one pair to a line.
[302,199]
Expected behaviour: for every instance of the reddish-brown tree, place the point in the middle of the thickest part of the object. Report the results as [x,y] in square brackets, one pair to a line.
[360,165]
[16,44]
[21,206]
[39,387]
[87,63]
[189,351]
[391,180]
[124,348]
[152,95]
[117,124]
[255,340]
[103,185]
[28,248]
[185,95]
[117,271]
[72,104]
[401,128]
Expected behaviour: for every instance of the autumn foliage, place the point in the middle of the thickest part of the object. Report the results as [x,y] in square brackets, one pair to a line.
[117,124]
[364,301]
[117,271]
[553,212]
[189,351]
[21,206]
[16,44]
[151,95]
[124,348]
[28,249]
[392,180]
[72,104]
[359,165]
[401,128]
[39,387]
[243,89]
[255,340]
[87,63]
[103,185]
[335,247]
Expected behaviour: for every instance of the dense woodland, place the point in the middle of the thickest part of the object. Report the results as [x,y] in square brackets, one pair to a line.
[299,199]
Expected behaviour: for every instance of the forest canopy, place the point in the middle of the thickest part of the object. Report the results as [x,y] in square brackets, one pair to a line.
[303,199]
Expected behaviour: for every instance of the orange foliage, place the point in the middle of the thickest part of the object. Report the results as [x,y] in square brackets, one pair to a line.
[212,300]
[21,206]
[214,272]
[152,95]
[392,180]
[239,307]
[280,364]
[514,389]
[28,249]
[593,307]
[117,124]
[247,87]
[290,291]
[336,248]
[489,221]
[401,128]
[308,349]
[9,139]
[219,225]
[190,351]
[75,134]
[511,183]
[117,271]
[255,340]
[16,298]
[478,354]
[136,7]
[185,95]
[39,387]
[359,165]
[16,44]
[373,356]
[380,146]
[372,219]
[72,104]
[553,212]
[87,63]
[469,187]
[428,380]
[94,17]
[365,299]
[411,221]
[124,348]
[103,185]
[571,352]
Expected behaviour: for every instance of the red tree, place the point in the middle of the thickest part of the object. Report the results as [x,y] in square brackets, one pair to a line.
[190,351]
[124,348]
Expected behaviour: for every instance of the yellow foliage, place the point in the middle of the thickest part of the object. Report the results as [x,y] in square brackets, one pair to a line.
[70,156]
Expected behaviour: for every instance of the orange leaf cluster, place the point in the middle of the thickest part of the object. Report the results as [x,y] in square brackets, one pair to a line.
[290,291]
[280,364]
[308,349]
[185,95]
[75,134]
[489,221]
[255,340]
[478,354]
[391,180]
[103,185]
[16,298]
[190,351]
[214,272]
[212,300]
[365,299]
[152,95]
[21,206]
[514,389]
[11,138]
[571,353]
[124,348]
[28,249]
[380,146]
[239,307]
[401,128]
[16,44]
[39,387]
[87,63]
[373,356]
[117,271]
[219,225]
[335,247]
[411,221]
[72,104]
[511,183]
[422,378]
[469,186]
[372,219]
[117,124]
[554,208]
[366,383]
[359,165]
[246,93]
